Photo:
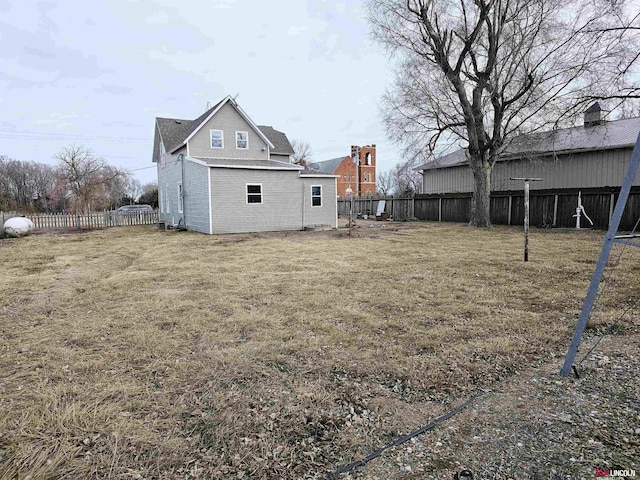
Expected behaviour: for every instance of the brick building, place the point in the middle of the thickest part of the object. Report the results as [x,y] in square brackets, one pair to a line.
[357,171]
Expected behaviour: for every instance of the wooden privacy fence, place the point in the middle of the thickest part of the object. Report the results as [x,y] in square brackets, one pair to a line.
[547,208]
[88,221]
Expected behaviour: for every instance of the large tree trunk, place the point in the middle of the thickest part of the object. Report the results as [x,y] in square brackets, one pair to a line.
[480,203]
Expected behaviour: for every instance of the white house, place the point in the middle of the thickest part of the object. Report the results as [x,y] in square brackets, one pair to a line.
[222,173]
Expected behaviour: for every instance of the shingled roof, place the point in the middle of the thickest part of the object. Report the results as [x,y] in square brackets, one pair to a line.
[327,166]
[279,140]
[174,132]
[606,136]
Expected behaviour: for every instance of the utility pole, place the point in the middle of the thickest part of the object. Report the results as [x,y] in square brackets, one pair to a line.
[349,193]
[355,157]
[526,213]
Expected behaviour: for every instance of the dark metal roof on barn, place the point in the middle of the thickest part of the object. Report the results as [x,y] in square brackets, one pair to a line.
[327,166]
[606,136]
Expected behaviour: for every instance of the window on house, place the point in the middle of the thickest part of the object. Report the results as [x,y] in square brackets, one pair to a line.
[254,193]
[316,196]
[217,139]
[366,177]
[161,200]
[167,204]
[180,198]
[367,158]
[242,140]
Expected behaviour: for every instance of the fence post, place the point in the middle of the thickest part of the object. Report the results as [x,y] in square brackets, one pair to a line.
[612,204]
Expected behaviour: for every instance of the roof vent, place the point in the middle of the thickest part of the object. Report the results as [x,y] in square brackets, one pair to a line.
[178,121]
[593,115]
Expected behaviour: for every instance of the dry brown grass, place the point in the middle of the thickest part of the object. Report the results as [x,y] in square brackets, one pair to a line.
[134,353]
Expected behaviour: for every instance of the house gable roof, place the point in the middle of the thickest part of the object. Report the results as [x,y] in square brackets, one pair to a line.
[607,136]
[327,166]
[281,144]
[176,134]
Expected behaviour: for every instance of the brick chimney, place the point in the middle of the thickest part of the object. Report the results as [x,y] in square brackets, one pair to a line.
[593,116]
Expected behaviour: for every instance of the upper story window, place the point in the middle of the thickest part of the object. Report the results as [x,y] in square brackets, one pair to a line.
[217,139]
[242,140]
[367,158]
[316,195]
[254,193]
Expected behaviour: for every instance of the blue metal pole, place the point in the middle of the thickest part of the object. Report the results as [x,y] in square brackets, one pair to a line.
[609,239]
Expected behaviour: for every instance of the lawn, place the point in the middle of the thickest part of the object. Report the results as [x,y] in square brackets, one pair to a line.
[136,353]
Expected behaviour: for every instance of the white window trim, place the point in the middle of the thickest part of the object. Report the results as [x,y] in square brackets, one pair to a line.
[221,136]
[161,199]
[180,198]
[247,134]
[316,196]
[246,191]
[167,206]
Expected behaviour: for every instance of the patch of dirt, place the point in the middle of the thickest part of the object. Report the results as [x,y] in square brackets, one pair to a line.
[534,425]
[361,229]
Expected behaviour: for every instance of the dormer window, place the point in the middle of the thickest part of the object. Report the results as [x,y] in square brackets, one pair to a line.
[217,139]
[242,140]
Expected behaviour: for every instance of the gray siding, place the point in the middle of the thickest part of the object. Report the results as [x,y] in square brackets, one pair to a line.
[604,168]
[325,214]
[196,195]
[169,175]
[282,201]
[229,121]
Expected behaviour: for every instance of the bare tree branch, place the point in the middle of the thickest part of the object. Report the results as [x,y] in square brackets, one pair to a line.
[478,73]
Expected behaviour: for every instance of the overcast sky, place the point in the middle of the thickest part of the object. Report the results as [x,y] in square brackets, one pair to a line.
[97,73]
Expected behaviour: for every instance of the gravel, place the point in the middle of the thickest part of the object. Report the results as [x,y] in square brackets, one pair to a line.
[535,425]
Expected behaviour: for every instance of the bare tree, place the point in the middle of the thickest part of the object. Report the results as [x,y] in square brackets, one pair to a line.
[149,194]
[385,182]
[630,108]
[85,174]
[302,152]
[406,179]
[116,190]
[134,189]
[5,184]
[44,181]
[479,73]
[18,181]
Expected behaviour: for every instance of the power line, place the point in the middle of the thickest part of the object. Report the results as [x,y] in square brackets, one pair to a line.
[45,136]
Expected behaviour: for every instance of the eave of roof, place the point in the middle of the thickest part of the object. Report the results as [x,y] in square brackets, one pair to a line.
[608,136]
[249,164]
